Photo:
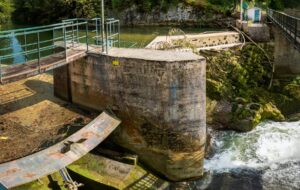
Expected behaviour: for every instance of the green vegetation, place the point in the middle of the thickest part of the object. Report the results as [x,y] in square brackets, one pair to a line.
[53,181]
[47,11]
[242,78]
[5,10]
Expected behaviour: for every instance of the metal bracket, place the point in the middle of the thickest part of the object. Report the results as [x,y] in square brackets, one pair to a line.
[68,181]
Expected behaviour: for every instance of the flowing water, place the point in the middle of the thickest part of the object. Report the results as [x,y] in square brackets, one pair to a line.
[266,158]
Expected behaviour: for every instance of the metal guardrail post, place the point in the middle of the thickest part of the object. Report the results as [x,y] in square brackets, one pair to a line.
[77,33]
[106,41]
[73,34]
[119,33]
[39,51]
[97,41]
[25,41]
[53,41]
[87,36]
[65,42]
[296,31]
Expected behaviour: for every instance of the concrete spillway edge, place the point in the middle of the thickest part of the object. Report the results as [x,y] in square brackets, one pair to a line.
[59,156]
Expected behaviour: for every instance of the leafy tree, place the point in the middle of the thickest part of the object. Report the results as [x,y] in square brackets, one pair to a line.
[45,11]
[5,10]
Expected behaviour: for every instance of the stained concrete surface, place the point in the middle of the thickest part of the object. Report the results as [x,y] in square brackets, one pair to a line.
[31,118]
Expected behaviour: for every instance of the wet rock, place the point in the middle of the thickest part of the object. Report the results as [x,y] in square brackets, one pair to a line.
[241,180]
[222,114]
[294,117]
[246,117]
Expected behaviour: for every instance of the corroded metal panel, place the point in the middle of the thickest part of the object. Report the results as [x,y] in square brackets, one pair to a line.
[59,156]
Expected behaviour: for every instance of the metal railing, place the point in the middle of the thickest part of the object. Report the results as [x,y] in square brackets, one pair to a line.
[32,44]
[289,24]
[20,46]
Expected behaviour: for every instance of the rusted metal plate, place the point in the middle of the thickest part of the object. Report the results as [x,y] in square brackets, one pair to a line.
[59,156]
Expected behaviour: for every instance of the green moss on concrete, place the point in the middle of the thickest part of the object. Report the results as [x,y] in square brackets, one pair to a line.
[47,183]
[96,168]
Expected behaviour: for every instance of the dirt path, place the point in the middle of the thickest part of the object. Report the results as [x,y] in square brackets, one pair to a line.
[31,118]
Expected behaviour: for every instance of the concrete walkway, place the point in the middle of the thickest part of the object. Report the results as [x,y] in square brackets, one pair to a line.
[203,40]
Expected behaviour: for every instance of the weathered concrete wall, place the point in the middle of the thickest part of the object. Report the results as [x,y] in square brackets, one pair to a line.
[61,83]
[160,97]
[197,40]
[258,32]
[287,57]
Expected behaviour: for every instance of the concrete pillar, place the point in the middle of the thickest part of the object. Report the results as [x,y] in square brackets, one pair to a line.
[160,98]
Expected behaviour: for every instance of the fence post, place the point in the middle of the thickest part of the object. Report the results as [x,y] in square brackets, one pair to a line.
[296,31]
[106,43]
[73,34]
[25,41]
[97,41]
[87,36]
[119,33]
[39,52]
[65,42]
[77,33]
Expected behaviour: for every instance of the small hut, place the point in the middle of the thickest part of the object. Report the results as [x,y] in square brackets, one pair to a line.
[254,14]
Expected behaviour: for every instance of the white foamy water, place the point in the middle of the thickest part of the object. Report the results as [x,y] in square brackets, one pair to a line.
[268,146]
[272,150]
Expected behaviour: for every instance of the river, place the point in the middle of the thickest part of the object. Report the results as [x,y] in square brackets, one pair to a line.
[266,158]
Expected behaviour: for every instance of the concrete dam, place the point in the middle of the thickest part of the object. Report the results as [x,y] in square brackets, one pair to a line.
[159,96]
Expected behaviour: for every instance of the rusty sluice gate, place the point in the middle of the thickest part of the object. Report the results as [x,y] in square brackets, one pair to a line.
[59,156]
[67,41]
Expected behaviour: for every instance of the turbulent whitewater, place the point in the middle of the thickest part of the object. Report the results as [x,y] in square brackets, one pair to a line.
[270,154]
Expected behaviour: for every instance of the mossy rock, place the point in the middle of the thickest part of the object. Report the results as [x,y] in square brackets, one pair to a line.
[293,90]
[210,108]
[247,117]
[268,112]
